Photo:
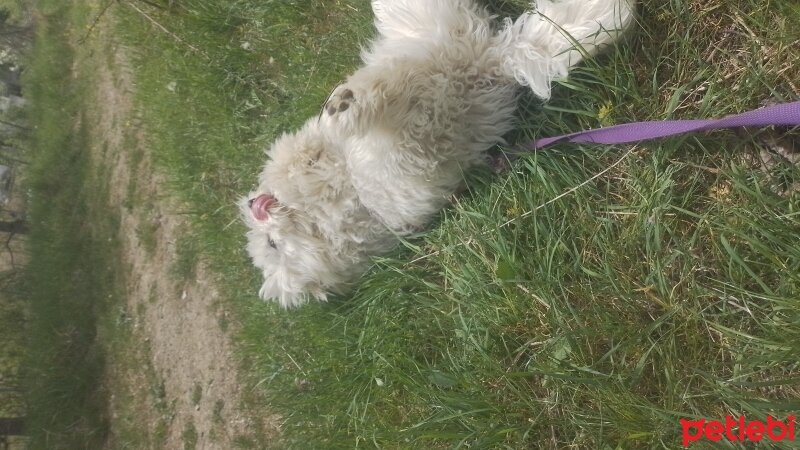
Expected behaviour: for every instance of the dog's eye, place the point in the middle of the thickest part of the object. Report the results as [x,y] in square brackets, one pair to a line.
[271,243]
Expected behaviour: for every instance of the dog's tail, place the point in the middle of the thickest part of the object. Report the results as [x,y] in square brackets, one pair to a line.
[543,44]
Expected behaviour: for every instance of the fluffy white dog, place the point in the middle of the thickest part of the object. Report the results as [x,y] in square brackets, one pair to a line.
[438,88]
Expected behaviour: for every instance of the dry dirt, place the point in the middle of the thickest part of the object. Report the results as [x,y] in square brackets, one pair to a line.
[174,382]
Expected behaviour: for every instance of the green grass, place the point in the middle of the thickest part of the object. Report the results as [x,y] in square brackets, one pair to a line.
[13,315]
[197,394]
[70,279]
[186,257]
[663,285]
[14,11]
[189,437]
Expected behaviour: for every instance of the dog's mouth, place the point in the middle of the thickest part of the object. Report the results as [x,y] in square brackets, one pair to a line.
[260,206]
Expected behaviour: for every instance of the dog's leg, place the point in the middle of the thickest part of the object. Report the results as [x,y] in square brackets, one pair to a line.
[541,46]
[382,13]
[339,101]
[368,96]
[350,108]
[420,18]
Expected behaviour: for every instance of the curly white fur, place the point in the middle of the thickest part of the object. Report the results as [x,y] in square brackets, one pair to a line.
[438,88]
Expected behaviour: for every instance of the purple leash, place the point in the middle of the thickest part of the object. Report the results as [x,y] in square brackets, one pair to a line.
[784,114]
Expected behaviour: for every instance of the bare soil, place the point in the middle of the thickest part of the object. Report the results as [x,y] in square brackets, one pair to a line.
[174,381]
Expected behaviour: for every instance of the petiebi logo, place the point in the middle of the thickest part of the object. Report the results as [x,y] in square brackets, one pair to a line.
[738,430]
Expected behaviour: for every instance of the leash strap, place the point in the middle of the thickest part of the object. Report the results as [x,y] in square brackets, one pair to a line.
[784,114]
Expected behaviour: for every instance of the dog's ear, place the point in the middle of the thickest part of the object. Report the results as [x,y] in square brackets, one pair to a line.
[303,168]
[292,153]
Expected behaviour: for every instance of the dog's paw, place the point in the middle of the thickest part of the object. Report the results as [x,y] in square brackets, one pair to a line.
[340,101]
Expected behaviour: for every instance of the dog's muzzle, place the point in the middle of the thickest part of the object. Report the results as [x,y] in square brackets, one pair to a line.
[259,206]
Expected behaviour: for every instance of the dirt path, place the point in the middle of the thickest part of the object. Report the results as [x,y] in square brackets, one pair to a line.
[174,378]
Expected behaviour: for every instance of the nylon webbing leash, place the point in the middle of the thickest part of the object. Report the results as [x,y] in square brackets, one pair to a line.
[783,114]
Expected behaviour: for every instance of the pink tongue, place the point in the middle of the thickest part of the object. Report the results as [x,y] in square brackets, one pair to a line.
[261,205]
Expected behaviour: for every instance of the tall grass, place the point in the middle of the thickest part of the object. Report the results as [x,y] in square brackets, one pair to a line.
[69,278]
[626,288]
[14,11]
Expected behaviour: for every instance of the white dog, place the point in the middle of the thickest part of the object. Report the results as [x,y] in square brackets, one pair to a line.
[437,89]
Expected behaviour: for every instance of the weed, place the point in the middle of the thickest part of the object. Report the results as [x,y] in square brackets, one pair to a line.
[189,436]
[197,394]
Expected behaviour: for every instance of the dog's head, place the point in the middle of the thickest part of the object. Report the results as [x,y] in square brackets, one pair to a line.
[295,217]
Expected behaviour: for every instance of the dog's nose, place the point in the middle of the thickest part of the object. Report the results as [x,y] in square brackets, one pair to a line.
[250,202]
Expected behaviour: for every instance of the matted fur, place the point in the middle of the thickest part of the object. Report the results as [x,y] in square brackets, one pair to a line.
[438,88]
